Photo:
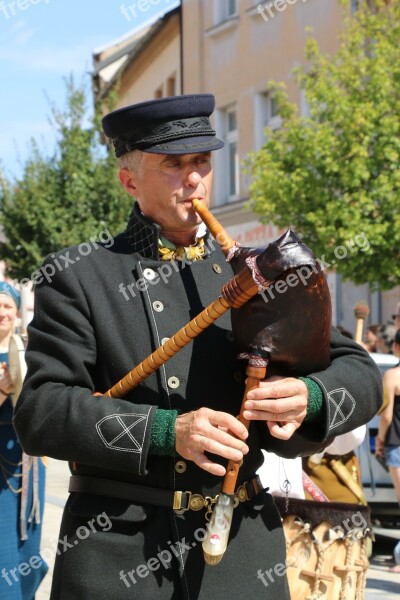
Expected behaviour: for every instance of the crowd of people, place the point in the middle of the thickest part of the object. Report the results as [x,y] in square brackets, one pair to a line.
[380,337]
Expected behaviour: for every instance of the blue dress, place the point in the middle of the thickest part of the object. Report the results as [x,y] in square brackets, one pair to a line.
[21,566]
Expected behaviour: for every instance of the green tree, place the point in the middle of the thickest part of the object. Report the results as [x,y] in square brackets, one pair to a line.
[63,199]
[336,175]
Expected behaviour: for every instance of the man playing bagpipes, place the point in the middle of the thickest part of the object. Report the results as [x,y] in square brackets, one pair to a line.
[154,460]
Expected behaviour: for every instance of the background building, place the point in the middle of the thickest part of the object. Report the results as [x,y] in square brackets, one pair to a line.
[146,63]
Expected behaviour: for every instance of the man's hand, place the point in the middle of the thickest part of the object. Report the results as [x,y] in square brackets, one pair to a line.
[281,402]
[207,430]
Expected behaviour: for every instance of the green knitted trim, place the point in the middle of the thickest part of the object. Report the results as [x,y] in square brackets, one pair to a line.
[162,440]
[315,399]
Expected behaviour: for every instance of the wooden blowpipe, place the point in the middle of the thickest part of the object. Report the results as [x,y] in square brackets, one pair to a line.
[361,312]
[218,232]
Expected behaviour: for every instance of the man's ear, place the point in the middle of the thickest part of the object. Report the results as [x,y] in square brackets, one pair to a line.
[128,180]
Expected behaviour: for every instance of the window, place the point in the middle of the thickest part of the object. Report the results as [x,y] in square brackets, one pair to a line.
[171,85]
[265,115]
[233,157]
[231,8]
[226,161]
[224,10]
[158,93]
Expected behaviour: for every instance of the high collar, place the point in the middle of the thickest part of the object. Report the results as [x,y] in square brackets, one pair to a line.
[142,234]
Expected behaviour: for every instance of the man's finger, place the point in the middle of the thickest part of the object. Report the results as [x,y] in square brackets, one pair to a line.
[262,415]
[281,406]
[220,419]
[202,461]
[282,431]
[282,388]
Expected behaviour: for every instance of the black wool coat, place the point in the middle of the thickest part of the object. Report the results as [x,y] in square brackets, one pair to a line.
[97,315]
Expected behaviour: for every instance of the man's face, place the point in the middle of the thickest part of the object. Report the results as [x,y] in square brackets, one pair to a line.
[167,184]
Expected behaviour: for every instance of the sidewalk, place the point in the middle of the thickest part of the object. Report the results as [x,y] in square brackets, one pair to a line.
[56,494]
[380,582]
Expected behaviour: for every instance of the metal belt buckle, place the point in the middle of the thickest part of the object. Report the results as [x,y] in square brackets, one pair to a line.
[177,505]
[241,493]
[197,502]
[194,502]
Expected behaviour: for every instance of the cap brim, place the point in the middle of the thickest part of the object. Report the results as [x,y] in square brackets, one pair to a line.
[187,146]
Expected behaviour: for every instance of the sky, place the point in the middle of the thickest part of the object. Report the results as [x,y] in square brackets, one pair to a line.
[42,42]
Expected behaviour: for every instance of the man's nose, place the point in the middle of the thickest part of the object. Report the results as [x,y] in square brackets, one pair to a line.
[192,177]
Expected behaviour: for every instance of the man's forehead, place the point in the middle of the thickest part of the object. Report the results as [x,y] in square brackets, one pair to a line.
[162,158]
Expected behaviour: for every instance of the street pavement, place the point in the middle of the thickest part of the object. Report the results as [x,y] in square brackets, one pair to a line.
[380,582]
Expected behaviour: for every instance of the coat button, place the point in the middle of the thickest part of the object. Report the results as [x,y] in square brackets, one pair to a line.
[217,268]
[158,306]
[149,274]
[164,341]
[230,336]
[180,466]
[173,382]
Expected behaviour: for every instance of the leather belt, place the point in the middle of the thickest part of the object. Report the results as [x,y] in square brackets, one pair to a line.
[178,500]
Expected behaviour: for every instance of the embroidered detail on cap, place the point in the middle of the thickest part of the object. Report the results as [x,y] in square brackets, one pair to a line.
[124,432]
[342,405]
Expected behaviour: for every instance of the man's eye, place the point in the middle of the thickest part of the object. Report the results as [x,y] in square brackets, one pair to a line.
[202,160]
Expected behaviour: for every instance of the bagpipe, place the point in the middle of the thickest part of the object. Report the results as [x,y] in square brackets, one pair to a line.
[281,321]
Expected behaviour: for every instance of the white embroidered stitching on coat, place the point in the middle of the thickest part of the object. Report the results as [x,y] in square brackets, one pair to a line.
[118,428]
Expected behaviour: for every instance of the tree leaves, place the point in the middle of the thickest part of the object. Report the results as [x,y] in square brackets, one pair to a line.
[336,175]
[63,199]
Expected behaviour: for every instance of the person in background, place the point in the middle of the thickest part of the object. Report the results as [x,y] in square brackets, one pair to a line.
[385,338]
[371,335]
[388,438]
[22,480]
[396,317]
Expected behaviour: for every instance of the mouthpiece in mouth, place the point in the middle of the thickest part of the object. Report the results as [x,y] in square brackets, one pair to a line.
[217,231]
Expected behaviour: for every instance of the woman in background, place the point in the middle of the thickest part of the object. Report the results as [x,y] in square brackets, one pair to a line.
[388,439]
[22,481]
